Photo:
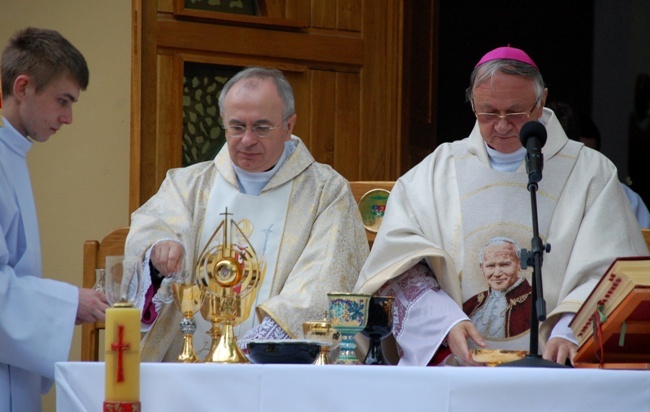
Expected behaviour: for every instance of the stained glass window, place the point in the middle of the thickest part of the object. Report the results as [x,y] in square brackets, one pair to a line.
[203,134]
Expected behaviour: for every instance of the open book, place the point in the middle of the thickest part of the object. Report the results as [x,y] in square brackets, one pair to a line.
[621,278]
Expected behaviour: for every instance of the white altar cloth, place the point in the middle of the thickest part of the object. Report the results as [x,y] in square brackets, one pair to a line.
[243,388]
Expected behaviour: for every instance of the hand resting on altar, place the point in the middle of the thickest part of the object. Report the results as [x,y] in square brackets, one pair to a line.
[559,350]
[457,341]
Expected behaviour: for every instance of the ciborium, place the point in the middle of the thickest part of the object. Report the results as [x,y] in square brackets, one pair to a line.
[230,273]
[322,332]
[348,315]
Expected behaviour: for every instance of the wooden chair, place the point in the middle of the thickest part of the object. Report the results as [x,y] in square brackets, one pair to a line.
[95,258]
[646,236]
[363,188]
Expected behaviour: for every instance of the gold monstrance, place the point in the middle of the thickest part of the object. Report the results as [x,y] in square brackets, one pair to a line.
[231,275]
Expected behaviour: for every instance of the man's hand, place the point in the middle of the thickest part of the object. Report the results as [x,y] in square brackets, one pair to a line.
[559,350]
[167,257]
[457,341]
[92,306]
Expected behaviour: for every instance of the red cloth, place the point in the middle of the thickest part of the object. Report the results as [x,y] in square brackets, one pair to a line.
[439,357]
[149,313]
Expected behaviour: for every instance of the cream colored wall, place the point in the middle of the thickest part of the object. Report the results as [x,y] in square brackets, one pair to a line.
[81,175]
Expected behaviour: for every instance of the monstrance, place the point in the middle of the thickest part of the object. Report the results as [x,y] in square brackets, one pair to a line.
[230,273]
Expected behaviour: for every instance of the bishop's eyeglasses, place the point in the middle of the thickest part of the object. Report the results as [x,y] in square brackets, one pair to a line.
[261,131]
[514,118]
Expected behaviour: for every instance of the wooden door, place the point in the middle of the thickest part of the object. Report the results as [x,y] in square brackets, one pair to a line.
[344,58]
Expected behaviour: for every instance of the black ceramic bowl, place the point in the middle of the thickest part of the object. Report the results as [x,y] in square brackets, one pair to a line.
[283,351]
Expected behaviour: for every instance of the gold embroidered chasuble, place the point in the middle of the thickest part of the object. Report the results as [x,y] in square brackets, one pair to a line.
[322,248]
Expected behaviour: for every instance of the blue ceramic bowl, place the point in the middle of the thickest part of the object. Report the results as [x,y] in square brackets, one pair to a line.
[283,351]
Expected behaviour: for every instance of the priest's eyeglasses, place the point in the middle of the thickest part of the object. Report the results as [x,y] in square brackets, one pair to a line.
[261,131]
[514,118]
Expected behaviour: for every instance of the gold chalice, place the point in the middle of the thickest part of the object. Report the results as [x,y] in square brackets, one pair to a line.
[209,311]
[226,350]
[188,297]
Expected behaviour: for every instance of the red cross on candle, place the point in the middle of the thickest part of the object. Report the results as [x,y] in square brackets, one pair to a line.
[120,347]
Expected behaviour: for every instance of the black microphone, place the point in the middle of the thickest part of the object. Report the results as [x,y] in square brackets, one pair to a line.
[533,138]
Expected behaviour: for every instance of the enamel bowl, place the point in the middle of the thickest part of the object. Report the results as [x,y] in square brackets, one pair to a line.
[294,351]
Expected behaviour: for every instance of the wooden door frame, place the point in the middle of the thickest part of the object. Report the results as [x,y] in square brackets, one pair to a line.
[377,57]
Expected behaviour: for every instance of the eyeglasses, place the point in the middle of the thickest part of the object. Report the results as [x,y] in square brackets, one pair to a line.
[514,118]
[261,131]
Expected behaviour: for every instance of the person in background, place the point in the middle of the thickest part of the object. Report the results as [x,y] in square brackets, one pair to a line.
[441,213]
[42,76]
[581,127]
[298,215]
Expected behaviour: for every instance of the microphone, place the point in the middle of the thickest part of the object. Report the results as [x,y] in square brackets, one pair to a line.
[533,138]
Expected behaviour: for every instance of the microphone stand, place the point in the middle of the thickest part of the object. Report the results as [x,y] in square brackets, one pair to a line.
[538,306]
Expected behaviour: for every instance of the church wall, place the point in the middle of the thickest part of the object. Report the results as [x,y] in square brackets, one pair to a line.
[80,176]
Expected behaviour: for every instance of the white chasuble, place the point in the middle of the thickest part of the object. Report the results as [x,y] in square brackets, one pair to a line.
[431,215]
[261,221]
[496,204]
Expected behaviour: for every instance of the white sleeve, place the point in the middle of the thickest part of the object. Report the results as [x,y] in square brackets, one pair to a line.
[562,329]
[427,323]
[423,314]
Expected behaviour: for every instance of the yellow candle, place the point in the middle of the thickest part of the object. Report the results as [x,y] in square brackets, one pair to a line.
[122,344]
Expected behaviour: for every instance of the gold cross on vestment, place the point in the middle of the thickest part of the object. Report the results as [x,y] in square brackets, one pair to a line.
[226,214]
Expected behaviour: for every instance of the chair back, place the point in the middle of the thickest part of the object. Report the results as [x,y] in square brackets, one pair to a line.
[371,197]
[94,257]
[646,236]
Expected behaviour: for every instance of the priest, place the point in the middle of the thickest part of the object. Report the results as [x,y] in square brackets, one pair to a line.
[299,216]
[441,213]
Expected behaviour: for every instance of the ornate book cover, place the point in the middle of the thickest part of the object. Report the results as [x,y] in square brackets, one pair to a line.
[621,278]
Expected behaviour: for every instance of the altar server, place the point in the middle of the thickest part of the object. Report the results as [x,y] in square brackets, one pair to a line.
[300,217]
[42,76]
[442,212]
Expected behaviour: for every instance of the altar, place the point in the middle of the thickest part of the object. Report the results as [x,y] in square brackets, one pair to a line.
[254,388]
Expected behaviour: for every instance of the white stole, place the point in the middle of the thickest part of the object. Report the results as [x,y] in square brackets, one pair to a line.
[262,218]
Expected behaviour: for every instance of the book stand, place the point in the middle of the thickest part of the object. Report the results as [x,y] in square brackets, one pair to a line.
[633,314]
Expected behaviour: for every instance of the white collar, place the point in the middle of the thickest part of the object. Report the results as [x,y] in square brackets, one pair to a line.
[252,183]
[505,162]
